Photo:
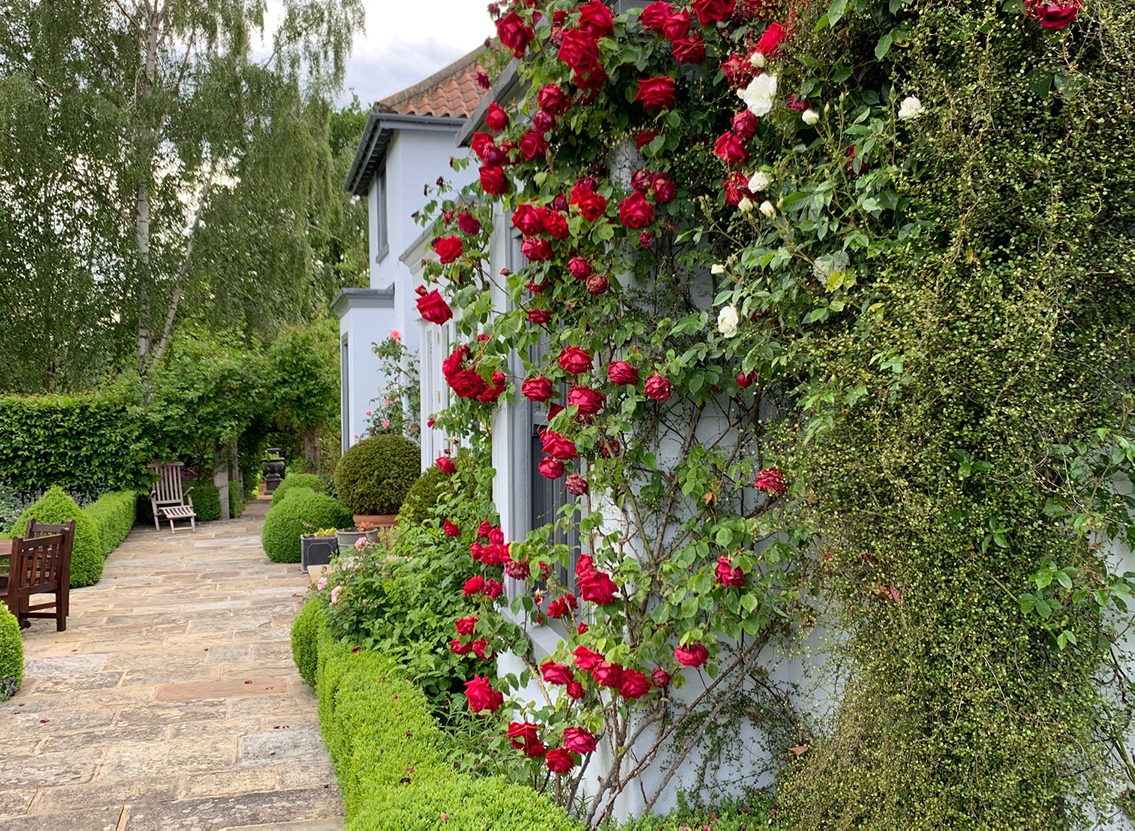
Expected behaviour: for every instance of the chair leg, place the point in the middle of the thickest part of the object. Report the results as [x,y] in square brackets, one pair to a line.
[157,523]
[60,613]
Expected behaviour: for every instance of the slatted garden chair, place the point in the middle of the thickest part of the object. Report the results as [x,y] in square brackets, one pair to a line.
[167,499]
[41,564]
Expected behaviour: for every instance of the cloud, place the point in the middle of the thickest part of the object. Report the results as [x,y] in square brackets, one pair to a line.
[399,65]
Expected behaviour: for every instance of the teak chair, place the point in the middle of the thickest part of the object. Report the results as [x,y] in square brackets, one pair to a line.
[167,499]
[41,564]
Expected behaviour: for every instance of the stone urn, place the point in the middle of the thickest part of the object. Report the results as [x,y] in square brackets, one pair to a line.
[273,472]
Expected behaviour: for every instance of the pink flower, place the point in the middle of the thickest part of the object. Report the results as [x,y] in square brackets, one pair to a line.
[771,481]
[322,584]
[660,677]
[395,336]
[360,543]
[335,594]
[587,401]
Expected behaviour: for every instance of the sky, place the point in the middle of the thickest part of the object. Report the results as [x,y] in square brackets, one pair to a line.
[406,41]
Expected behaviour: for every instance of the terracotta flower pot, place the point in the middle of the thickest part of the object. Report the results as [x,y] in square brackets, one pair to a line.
[375,520]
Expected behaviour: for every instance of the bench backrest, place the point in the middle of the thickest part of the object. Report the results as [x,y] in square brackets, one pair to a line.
[166,489]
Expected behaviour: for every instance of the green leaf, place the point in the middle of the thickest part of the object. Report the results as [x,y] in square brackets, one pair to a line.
[883,46]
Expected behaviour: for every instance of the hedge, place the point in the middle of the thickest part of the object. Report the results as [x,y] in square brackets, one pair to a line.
[87,555]
[297,480]
[305,632]
[301,513]
[114,514]
[236,501]
[206,501]
[11,654]
[390,755]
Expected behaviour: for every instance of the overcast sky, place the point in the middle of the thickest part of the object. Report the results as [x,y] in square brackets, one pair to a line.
[406,41]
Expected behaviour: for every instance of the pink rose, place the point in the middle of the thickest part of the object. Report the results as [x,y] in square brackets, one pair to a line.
[1053,15]
[660,678]
[658,388]
[481,695]
[576,485]
[558,446]
[536,249]
[579,268]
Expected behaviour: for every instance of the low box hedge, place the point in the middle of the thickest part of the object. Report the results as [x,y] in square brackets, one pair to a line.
[11,654]
[390,755]
[297,480]
[114,514]
[206,501]
[88,552]
[301,513]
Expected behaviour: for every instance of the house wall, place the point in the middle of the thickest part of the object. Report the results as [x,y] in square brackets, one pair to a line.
[359,371]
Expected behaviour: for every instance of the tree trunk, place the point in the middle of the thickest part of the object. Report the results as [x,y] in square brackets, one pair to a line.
[311,448]
[142,205]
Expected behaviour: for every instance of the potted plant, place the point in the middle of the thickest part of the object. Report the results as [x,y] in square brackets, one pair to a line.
[373,476]
[348,537]
[318,547]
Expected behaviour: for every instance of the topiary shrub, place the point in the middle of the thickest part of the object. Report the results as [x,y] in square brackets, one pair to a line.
[374,476]
[87,556]
[114,514]
[305,638]
[11,654]
[297,480]
[303,511]
[418,505]
[236,503]
[206,501]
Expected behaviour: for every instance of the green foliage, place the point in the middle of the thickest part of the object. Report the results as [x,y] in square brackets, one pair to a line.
[236,501]
[302,384]
[301,513]
[11,654]
[206,501]
[306,629]
[749,813]
[422,498]
[88,553]
[292,481]
[374,475]
[114,514]
[85,444]
[392,760]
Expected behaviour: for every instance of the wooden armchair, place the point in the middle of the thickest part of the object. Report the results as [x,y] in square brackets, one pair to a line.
[41,564]
[168,500]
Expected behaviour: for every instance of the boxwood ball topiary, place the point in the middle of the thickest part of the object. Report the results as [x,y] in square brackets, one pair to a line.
[420,500]
[206,501]
[297,480]
[87,556]
[374,475]
[11,654]
[301,513]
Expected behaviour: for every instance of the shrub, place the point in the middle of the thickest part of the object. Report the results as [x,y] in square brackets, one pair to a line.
[114,514]
[391,757]
[206,501]
[11,654]
[374,475]
[418,506]
[87,556]
[305,634]
[236,502]
[302,512]
[297,480]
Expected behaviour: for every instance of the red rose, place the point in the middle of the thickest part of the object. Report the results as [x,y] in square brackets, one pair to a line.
[1053,15]
[664,188]
[432,307]
[730,149]
[553,100]
[644,137]
[591,204]
[536,389]
[514,33]
[473,585]
[551,468]
[539,316]
[586,659]
[575,360]
[451,529]
[563,607]
[727,575]
[713,11]
[641,180]
[607,674]
[482,651]
[468,223]
[496,119]
[588,401]
[677,25]
[536,249]
[493,181]
[555,673]
[482,696]
[736,188]
[465,625]
[483,80]
[575,690]
[543,121]
[656,93]
[517,569]
[559,761]
[620,372]
[524,736]
[658,388]
[634,684]
[693,655]
[579,267]
[459,648]
[481,143]
[493,588]
[597,284]
[654,16]
[771,481]
[738,70]
[580,51]
[484,528]
[795,103]
[576,485]
[688,49]
[528,219]
[744,379]
[558,446]
[448,248]
[467,383]
[490,394]
[660,677]
[597,588]
[769,44]
[636,212]
[646,239]
[745,125]
[446,465]
[595,18]
[533,145]
[578,740]
[590,80]
[555,225]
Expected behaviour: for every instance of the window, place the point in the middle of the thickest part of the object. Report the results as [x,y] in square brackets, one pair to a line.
[381,217]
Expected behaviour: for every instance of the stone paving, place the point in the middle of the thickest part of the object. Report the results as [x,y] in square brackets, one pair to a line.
[171,701]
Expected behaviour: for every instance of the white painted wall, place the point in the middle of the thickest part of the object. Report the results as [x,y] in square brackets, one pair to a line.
[359,375]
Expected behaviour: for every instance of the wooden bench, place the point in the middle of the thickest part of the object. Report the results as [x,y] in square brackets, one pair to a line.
[39,564]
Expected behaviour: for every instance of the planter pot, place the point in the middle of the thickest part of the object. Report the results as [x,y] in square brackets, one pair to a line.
[317,551]
[381,521]
[273,473]
[349,537]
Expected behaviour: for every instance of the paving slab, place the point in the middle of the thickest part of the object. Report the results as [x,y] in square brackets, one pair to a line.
[171,701]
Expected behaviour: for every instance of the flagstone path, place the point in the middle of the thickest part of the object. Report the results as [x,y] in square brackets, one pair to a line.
[171,701]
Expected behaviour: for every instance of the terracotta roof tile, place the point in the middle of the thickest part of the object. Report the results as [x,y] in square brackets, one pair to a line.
[451,92]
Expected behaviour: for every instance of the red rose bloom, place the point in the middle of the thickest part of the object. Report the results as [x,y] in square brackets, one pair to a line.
[533,145]
[607,674]
[586,659]
[745,125]
[458,648]
[448,248]
[493,588]
[595,18]
[557,446]
[590,203]
[484,528]
[727,575]
[493,181]
[536,389]
[580,51]
[588,401]
[738,70]
[451,529]
[677,26]
[689,49]
[555,225]
[481,143]
[481,695]
[468,223]
[620,372]
[658,388]
[555,673]
[473,585]
[446,465]
[579,268]
[575,691]
[597,588]
[713,11]
[578,740]
[543,121]
[536,249]
[693,655]
[664,188]
[432,307]
[1053,15]
[644,137]
[529,219]
[514,33]
[655,15]
[551,468]
[496,119]
[736,188]
[517,569]
[523,736]
[597,284]
[539,316]
[575,360]
[771,481]
[744,380]
[563,607]
[769,44]
[660,678]
[553,100]
[481,650]
[465,625]
[576,485]
[636,212]
[467,384]
[730,149]
[559,761]
[656,94]
[634,684]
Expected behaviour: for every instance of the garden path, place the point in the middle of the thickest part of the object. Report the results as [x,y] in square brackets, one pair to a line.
[171,701]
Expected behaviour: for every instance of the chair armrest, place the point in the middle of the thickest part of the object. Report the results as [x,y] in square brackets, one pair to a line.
[189,496]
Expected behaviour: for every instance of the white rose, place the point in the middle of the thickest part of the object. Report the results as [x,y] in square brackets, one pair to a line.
[727,320]
[717,268]
[810,116]
[757,59]
[767,209]
[760,94]
[910,108]
[745,205]
[759,181]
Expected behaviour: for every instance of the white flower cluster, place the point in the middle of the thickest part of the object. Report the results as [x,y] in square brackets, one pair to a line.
[760,94]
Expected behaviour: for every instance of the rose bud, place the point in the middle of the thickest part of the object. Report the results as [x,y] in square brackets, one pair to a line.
[576,485]
[744,380]
[580,268]
[597,284]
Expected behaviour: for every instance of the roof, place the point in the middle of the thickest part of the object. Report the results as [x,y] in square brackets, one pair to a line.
[501,91]
[452,92]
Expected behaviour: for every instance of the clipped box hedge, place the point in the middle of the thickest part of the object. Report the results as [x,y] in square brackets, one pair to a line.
[206,501]
[114,514]
[301,513]
[296,480]
[11,654]
[390,755]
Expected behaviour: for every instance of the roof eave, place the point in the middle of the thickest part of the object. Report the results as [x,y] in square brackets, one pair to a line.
[379,129]
[499,91]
